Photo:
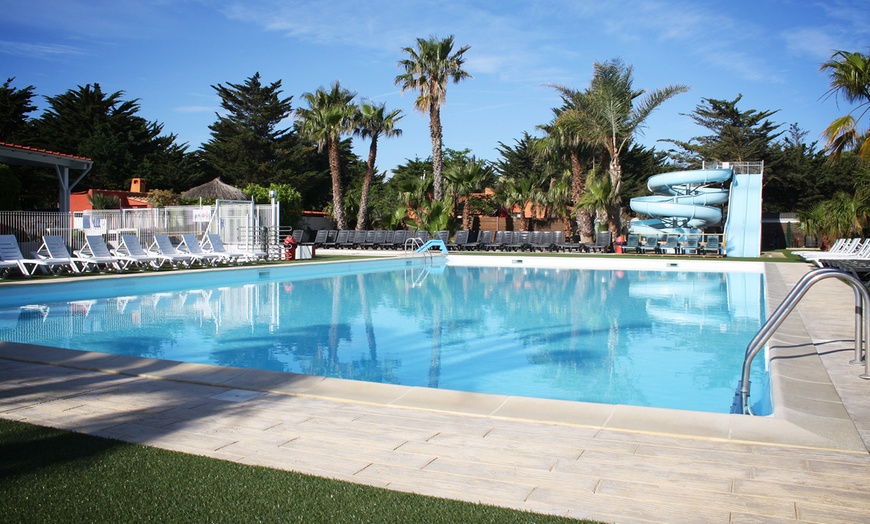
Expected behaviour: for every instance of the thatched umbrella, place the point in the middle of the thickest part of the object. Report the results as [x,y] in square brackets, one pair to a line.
[215,190]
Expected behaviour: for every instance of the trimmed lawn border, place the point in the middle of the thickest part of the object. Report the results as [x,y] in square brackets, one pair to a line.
[51,475]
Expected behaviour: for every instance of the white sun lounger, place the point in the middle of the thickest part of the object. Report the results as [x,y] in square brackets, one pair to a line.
[6,266]
[54,248]
[190,245]
[842,246]
[10,252]
[131,248]
[212,243]
[95,254]
[162,246]
[861,257]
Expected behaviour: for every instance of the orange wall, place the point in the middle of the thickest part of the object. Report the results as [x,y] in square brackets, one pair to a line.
[79,201]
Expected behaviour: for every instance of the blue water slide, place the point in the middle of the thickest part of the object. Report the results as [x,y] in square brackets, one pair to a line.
[743,228]
[683,202]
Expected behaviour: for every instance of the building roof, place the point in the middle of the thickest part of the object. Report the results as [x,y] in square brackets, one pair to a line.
[62,163]
[15,154]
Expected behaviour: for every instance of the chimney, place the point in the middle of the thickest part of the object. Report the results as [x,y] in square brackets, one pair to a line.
[137,185]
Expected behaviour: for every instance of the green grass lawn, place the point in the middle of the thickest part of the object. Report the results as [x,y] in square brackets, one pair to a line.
[49,475]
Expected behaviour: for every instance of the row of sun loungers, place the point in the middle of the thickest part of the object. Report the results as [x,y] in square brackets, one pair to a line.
[847,254]
[464,240]
[53,257]
[843,248]
[692,245]
[550,241]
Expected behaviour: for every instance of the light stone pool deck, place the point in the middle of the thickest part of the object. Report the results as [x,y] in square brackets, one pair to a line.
[807,463]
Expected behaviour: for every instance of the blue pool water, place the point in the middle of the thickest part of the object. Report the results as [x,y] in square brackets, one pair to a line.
[671,339]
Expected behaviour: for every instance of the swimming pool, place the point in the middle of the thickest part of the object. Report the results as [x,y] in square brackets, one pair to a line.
[665,336]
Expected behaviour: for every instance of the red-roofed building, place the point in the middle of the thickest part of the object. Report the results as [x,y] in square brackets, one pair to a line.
[15,154]
[18,155]
[135,198]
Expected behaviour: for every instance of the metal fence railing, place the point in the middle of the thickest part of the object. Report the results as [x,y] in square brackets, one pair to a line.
[244,225]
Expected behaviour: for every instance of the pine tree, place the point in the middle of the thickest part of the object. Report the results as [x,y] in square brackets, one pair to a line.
[15,104]
[247,145]
[738,136]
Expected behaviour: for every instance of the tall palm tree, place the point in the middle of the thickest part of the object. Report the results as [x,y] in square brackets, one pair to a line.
[428,69]
[465,178]
[329,115]
[850,79]
[569,143]
[608,116]
[373,121]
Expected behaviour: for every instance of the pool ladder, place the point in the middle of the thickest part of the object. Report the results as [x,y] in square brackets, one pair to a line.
[415,245]
[412,244]
[862,327]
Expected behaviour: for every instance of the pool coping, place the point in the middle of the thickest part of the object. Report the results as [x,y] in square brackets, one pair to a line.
[808,411]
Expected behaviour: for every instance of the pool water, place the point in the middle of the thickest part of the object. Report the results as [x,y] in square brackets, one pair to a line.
[670,339]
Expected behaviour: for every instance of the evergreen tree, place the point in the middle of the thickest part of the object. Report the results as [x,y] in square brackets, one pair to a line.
[104,127]
[522,157]
[15,105]
[247,146]
[737,135]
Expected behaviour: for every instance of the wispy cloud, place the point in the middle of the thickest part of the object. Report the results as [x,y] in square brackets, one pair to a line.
[813,42]
[851,32]
[502,42]
[38,50]
[707,35]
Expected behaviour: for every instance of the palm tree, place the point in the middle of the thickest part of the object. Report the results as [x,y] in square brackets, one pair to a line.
[373,121]
[433,215]
[608,117]
[850,78]
[428,68]
[329,115]
[596,199]
[564,142]
[103,201]
[464,179]
[844,215]
[523,192]
[559,199]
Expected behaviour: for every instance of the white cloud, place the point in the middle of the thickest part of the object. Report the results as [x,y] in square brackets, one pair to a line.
[37,50]
[812,42]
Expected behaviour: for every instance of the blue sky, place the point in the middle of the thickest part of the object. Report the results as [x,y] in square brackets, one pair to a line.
[168,54]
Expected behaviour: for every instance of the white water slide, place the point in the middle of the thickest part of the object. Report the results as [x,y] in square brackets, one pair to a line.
[685,202]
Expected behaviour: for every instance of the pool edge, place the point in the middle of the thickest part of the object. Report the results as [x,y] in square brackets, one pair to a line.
[810,415]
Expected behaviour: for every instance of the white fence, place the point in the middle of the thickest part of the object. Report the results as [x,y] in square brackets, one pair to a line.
[239,223]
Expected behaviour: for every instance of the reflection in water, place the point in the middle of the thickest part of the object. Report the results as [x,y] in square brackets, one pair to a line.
[666,339]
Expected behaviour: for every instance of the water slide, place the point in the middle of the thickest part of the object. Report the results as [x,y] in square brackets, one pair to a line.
[685,202]
[743,227]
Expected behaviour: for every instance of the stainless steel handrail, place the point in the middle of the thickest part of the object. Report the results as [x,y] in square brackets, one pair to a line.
[862,323]
[412,243]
